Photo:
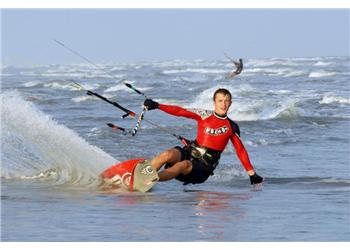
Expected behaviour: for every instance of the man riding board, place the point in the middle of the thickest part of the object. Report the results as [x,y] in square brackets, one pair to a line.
[195,162]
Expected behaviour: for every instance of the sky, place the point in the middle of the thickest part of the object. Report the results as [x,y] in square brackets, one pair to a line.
[134,35]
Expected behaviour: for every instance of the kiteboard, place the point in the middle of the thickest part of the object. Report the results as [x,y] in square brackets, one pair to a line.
[133,175]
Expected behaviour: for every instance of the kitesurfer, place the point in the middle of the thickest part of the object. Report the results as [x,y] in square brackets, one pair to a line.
[195,162]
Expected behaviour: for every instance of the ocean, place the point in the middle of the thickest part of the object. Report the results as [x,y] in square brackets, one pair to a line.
[294,117]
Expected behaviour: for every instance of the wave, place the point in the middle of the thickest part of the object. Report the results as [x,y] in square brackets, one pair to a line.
[295,73]
[265,142]
[280,92]
[284,72]
[88,97]
[72,71]
[195,70]
[61,74]
[322,63]
[204,99]
[308,59]
[192,79]
[58,84]
[322,74]
[32,83]
[244,109]
[328,99]
[121,87]
[254,70]
[84,98]
[117,68]
[35,146]
[270,62]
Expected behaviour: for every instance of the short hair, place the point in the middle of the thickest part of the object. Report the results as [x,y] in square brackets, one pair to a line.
[225,92]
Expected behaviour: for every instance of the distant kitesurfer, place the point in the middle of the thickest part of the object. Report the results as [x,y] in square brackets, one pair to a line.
[195,162]
[238,65]
[239,68]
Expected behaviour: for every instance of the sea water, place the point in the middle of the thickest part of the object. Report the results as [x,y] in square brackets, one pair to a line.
[294,117]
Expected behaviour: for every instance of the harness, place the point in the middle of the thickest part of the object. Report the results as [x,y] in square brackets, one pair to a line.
[207,156]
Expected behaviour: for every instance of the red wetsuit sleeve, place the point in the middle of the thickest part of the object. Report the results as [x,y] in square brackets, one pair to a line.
[241,152]
[179,111]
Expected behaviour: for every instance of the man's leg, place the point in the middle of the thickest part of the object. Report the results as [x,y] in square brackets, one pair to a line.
[170,156]
[182,167]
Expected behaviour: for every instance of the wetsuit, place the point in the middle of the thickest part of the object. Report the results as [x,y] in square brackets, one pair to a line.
[213,133]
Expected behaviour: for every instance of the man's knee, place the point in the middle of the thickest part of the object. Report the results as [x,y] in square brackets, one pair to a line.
[186,167]
[171,155]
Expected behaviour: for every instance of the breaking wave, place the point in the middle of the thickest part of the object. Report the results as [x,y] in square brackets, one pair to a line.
[328,99]
[244,109]
[322,74]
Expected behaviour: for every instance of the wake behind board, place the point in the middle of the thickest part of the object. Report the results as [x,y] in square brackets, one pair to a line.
[133,175]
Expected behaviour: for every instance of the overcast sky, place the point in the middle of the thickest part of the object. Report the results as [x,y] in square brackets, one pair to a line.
[132,35]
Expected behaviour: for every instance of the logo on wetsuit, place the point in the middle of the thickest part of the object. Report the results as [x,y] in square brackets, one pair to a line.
[217,131]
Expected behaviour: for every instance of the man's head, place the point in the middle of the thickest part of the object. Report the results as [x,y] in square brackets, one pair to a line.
[222,101]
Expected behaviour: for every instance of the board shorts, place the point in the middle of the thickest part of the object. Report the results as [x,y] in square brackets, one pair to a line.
[200,170]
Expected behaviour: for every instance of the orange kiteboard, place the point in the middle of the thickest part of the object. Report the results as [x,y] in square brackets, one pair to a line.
[133,175]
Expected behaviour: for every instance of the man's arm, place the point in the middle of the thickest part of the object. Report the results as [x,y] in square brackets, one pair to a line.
[242,153]
[179,111]
[244,158]
[171,109]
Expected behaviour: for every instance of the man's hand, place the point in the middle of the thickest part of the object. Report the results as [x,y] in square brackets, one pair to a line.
[150,104]
[255,179]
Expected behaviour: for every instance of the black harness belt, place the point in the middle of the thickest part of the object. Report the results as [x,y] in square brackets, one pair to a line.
[208,156]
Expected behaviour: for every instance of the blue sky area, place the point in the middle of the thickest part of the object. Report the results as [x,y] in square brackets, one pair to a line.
[133,35]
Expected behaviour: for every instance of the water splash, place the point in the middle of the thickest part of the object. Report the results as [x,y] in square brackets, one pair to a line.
[36,146]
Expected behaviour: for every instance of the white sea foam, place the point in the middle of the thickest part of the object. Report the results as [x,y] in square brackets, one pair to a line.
[280,91]
[73,71]
[246,109]
[117,68]
[307,59]
[256,143]
[322,74]
[29,73]
[32,83]
[270,62]
[58,85]
[118,87]
[195,70]
[295,73]
[322,63]
[121,87]
[328,99]
[227,173]
[82,98]
[193,79]
[263,110]
[33,144]
[283,131]
[274,71]
[89,97]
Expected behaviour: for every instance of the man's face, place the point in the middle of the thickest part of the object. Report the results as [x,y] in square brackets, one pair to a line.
[222,103]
